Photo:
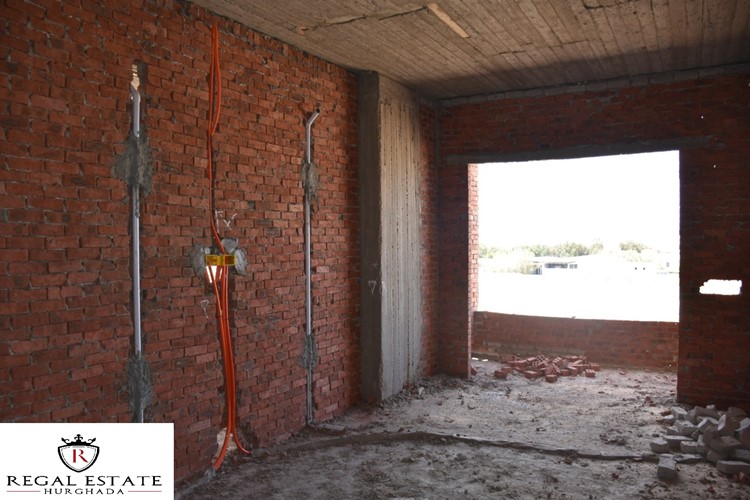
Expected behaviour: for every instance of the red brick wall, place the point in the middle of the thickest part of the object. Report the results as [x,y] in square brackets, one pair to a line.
[708,118]
[642,344]
[428,178]
[454,342]
[64,229]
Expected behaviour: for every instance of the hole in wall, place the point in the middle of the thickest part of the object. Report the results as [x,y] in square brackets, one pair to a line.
[593,238]
[136,81]
[721,287]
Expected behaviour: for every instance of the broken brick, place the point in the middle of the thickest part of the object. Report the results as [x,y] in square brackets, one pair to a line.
[690,447]
[552,367]
[667,468]
[728,423]
[684,427]
[679,412]
[731,467]
[714,456]
[674,441]
[743,432]
[724,444]
[741,454]
[659,445]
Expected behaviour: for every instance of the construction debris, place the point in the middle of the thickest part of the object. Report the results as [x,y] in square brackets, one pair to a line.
[667,468]
[704,433]
[551,368]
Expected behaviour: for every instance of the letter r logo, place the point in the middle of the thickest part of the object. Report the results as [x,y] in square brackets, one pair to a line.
[78,453]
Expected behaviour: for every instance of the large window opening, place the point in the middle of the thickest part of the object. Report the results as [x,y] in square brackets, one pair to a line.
[593,238]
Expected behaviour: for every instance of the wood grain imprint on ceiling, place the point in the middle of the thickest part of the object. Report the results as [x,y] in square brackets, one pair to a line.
[382,15]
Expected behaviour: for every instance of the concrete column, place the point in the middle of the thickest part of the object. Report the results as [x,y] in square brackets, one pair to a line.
[391,308]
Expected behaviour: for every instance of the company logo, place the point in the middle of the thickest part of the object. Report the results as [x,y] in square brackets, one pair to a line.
[78,455]
[133,461]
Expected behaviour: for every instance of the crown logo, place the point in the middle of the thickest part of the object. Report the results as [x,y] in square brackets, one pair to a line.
[78,454]
[78,440]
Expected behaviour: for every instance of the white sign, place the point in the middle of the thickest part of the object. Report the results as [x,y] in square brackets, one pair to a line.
[88,460]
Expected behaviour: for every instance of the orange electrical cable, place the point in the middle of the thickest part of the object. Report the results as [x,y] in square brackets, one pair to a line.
[220,281]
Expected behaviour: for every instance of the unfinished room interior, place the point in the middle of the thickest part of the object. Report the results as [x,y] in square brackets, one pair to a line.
[259,221]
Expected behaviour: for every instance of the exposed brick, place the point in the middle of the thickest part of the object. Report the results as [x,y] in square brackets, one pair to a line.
[615,343]
[711,346]
[65,229]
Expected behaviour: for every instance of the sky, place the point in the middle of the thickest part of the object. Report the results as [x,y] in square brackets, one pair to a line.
[609,198]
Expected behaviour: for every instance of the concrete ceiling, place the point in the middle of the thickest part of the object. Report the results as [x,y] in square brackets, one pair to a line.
[451,48]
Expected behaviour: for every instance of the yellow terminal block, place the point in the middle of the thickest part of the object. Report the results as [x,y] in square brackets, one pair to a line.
[220,260]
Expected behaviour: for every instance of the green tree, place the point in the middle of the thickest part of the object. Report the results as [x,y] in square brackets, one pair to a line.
[631,245]
[567,249]
[487,252]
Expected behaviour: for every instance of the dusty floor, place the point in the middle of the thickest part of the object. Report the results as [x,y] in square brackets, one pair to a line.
[580,438]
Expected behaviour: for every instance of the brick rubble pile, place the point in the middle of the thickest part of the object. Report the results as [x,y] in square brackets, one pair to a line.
[705,433]
[549,367]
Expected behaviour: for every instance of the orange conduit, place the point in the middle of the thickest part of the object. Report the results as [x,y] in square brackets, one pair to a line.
[220,281]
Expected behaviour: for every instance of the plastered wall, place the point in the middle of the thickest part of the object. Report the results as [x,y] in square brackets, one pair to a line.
[392,261]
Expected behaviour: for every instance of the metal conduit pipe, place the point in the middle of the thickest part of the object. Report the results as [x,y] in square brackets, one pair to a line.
[308,283]
[134,198]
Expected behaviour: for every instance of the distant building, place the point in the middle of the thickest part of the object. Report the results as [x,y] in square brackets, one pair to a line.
[547,265]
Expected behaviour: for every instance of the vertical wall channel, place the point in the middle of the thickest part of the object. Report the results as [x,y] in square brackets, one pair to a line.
[391,222]
[134,167]
[310,191]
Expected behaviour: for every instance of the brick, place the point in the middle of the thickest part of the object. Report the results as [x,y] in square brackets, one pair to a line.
[667,468]
[501,374]
[728,423]
[685,428]
[660,445]
[692,416]
[678,412]
[710,432]
[687,458]
[743,432]
[714,456]
[550,378]
[702,446]
[705,422]
[668,420]
[690,447]
[741,454]
[707,411]
[724,444]
[731,467]
[674,441]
